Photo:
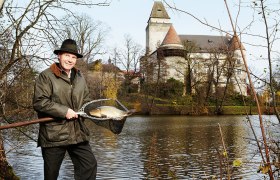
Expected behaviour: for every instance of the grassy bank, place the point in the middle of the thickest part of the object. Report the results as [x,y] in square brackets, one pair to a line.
[164,109]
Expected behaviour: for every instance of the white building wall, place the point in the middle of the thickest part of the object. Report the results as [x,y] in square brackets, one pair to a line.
[155,34]
[240,73]
[176,70]
[159,20]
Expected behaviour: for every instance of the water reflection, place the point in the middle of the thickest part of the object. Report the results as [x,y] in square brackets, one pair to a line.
[157,147]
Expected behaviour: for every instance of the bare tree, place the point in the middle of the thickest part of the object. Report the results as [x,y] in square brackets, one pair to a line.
[267,164]
[130,55]
[25,30]
[89,34]
[221,68]
[103,80]
[153,68]
[185,66]
[129,59]
[271,32]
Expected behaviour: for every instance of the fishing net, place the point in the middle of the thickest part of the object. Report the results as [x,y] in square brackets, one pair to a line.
[113,123]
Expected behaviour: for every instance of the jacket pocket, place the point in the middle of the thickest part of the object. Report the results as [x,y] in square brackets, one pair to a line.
[57,132]
[84,128]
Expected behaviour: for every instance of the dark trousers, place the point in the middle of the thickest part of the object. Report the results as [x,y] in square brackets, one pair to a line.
[85,165]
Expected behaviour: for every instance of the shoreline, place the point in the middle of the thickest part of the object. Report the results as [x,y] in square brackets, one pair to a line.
[194,111]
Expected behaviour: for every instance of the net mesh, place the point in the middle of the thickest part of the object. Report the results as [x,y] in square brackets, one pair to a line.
[114,124]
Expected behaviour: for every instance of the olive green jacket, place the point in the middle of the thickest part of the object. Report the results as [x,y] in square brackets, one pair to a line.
[54,93]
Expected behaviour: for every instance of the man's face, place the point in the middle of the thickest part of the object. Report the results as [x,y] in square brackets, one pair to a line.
[67,60]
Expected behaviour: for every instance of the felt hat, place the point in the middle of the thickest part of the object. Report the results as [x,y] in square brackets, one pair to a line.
[69,46]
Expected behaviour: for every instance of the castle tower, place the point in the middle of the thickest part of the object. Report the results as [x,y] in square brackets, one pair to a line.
[172,39]
[157,28]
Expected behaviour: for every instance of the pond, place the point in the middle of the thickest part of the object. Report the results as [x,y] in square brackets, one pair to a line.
[157,147]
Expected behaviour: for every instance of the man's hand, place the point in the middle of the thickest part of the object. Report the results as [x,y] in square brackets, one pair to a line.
[71,114]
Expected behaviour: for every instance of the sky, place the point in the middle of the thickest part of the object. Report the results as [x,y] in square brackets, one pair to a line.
[131,16]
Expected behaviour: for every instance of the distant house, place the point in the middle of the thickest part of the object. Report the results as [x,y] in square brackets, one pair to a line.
[132,76]
[107,69]
[110,71]
[196,60]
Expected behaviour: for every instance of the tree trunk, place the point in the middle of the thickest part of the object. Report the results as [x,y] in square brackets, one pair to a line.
[6,171]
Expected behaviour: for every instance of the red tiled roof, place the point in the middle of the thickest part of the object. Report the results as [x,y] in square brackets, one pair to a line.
[171,37]
[234,43]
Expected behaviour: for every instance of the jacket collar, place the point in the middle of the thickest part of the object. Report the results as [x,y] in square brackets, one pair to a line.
[55,68]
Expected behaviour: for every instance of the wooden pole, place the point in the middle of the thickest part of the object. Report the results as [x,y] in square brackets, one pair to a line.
[267,163]
[25,123]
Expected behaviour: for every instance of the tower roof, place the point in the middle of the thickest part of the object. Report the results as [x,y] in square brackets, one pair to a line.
[159,11]
[171,37]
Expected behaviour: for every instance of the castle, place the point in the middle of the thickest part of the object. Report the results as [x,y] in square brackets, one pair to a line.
[196,60]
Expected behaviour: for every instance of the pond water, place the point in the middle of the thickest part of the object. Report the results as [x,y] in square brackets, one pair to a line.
[156,147]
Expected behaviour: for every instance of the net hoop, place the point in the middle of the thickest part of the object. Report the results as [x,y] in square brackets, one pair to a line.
[114,124]
[86,114]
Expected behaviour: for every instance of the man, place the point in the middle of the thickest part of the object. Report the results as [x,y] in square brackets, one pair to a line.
[60,91]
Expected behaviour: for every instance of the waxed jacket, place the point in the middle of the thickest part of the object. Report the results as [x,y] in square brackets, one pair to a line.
[54,93]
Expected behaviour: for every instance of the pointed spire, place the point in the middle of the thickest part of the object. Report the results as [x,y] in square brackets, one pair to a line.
[171,37]
[159,11]
[109,60]
[234,43]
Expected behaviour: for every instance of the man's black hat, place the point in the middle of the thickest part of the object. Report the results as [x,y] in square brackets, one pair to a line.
[69,46]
